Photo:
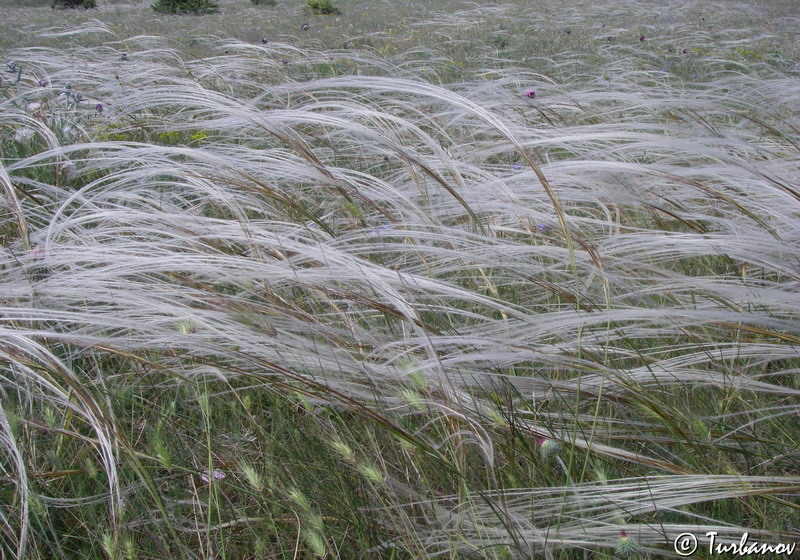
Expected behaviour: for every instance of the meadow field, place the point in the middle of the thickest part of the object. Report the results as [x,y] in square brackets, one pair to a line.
[425,279]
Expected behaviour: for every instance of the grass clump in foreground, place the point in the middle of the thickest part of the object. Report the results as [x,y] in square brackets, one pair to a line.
[283,301]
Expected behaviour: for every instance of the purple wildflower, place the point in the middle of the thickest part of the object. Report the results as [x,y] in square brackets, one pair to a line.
[43,83]
[610,38]
[304,27]
[641,37]
[264,40]
[685,51]
[284,61]
[517,166]
[530,94]
[99,107]
[124,56]
[216,473]
[568,31]
[37,253]
[541,227]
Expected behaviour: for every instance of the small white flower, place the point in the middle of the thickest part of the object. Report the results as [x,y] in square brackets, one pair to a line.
[23,134]
[70,170]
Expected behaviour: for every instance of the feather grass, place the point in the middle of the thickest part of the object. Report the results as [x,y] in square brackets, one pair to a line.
[530,325]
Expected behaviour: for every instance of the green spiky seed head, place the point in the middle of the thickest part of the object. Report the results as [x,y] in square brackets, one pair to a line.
[109,546]
[413,398]
[496,417]
[252,477]
[371,473]
[315,542]
[187,327]
[549,448]
[419,380]
[299,499]
[343,449]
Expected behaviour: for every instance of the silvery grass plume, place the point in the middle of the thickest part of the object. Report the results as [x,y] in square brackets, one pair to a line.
[597,514]
[574,268]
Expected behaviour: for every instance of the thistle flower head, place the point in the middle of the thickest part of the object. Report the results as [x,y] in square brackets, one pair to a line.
[548,448]
[626,546]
